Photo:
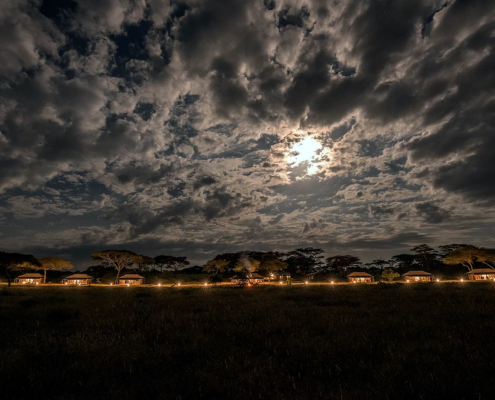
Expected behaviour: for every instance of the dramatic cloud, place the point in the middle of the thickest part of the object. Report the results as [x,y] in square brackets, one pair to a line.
[206,125]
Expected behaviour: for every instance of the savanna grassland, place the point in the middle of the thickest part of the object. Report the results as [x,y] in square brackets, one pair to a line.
[386,341]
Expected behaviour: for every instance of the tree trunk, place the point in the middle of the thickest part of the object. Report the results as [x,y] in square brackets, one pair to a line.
[44,279]
[117,279]
[8,278]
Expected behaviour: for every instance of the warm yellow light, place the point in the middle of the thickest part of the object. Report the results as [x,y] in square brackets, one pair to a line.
[24,282]
[206,284]
[281,283]
[306,282]
[332,282]
[178,284]
[159,284]
[438,280]
[111,284]
[66,283]
[462,280]
[37,282]
[127,284]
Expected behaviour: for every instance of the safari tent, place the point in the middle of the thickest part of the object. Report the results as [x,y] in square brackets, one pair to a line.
[78,279]
[32,278]
[418,276]
[360,277]
[131,279]
[481,274]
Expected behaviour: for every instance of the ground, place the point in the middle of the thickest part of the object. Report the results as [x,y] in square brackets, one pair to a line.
[385,341]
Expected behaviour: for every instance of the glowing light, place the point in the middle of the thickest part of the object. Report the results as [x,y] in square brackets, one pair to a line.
[66,283]
[438,280]
[462,280]
[128,285]
[24,282]
[37,283]
[308,150]
[206,284]
[332,282]
[159,284]
[281,283]
[111,284]
[306,282]
[178,284]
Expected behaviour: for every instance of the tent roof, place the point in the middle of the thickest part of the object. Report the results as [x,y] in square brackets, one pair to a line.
[416,273]
[79,276]
[131,276]
[33,275]
[359,274]
[482,271]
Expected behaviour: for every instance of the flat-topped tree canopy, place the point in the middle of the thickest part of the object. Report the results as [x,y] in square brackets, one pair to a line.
[417,273]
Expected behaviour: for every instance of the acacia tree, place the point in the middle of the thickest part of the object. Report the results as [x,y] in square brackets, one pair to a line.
[172,263]
[16,261]
[403,260]
[305,260]
[469,255]
[390,274]
[119,259]
[486,256]
[426,254]
[465,256]
[342,263]
[216,267]
[380,263]
[272,265]
[53,264]
[146,264]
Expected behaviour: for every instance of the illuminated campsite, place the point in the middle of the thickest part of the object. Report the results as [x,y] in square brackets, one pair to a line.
[247,199]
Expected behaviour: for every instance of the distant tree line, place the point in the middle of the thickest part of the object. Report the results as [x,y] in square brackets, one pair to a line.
[306,261]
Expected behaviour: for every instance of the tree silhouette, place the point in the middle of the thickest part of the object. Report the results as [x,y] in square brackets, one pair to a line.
[216,267]
[53,264]
[12,261]
[305,260]
[342,263]
[172,263]
[426,255]
[119,259]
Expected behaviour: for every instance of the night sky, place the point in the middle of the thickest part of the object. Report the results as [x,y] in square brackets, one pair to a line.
[199,127]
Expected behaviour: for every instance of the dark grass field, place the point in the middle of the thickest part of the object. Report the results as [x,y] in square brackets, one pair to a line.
[389,341]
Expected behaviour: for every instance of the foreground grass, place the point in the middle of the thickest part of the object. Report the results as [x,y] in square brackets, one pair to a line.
[346,342]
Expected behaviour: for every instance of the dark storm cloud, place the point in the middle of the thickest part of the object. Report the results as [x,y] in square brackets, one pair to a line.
[174,122]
